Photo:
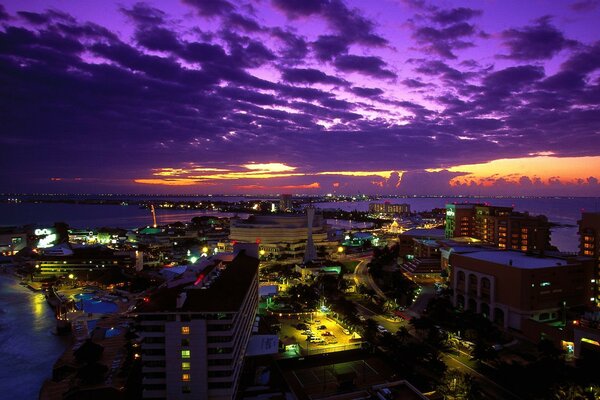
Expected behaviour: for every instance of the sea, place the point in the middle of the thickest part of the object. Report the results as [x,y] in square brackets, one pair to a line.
[28,346]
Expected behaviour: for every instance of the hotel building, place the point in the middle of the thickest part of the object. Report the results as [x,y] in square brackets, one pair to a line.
[589,245]
[509,287]
[498,226]
[195,331]
[389,208]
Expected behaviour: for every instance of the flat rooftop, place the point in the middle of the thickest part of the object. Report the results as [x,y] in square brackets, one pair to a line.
[225,294]
[436,233]
[516,259]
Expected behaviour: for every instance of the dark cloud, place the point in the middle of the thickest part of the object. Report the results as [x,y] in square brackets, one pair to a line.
[373,66]
[513,78]
[210,8]
[443,70]
[584,5]
[444,41]
[585,61]
[413,83]
[3,14]
[34,18]
[157,38]
[309,75]
[539,41]
[367,92]
[300,8]
[347,23]
[454,15]
[143,14]
[295,47]
[327,47]
[243,22]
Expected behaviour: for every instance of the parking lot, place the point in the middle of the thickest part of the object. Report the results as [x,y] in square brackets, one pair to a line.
[317,335]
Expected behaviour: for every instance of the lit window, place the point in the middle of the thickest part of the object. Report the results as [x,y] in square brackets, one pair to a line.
[185,377]
[185,365]
[545,284]
[185,330]
[185,354]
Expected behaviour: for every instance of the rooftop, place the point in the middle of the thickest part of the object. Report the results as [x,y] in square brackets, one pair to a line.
[437,233]
[516,259]
[226,293]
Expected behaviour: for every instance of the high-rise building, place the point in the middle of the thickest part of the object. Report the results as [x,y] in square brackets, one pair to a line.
[285,202]
[589,245]
[195,331]
[498,226]
[389,208]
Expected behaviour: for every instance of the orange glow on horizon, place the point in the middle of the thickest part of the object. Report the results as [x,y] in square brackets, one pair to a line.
[543,170]
[314,185]
[187,176]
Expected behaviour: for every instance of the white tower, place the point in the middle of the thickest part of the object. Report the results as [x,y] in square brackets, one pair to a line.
[310,253]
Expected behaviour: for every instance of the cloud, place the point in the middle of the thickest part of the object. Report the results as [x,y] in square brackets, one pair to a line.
[454,15]
[536,42]
[210,8]
[345,22]
[367,65]
[309,75]
[327,47]
[444,41]
[584,5]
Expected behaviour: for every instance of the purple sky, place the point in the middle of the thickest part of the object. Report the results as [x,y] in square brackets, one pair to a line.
[301,96]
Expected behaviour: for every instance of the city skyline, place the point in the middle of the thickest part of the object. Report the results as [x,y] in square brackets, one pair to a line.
[390,97]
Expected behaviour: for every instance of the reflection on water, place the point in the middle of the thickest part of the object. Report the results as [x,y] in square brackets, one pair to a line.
[28,347]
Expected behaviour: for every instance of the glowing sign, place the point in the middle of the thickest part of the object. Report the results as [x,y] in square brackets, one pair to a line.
[42,232]
[449,213]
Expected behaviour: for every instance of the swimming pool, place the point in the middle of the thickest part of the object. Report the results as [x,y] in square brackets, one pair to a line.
[86,302]
[112,332]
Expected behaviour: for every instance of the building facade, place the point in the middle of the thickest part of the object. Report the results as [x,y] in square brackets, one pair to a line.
[389,208]
[589,245]
[281,236]
[195,332]
[508,287]
[498,226]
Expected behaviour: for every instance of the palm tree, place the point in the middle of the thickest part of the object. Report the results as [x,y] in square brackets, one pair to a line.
[570,391]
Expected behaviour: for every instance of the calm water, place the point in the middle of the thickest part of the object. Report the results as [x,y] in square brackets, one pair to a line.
[28,348]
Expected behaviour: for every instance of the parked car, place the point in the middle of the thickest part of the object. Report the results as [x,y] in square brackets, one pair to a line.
[346,331]
[322,327]
[307,333]
[327,333]
[362,318]
[381,329]
[301,327]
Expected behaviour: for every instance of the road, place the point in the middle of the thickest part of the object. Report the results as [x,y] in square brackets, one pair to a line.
[362,276]
[488,386]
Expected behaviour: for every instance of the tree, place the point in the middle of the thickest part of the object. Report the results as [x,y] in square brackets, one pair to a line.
[456,385]
[571,391]
[403,334]
[483,352]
